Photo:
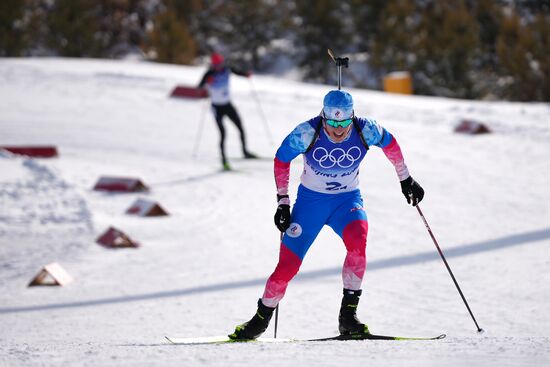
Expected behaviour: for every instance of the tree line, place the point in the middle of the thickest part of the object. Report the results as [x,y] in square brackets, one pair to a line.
[475,49]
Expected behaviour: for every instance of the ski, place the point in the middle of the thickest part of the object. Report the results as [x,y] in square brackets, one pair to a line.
[224,339]
[375,337]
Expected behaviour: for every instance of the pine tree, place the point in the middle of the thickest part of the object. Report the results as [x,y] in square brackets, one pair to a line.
[446,50]
[395,42]
[541,56]
[74,27]
[243,31]
[123,25]
[12,28]
[488,17]
[322,24]
[366,17]
[170,40]
[523,56]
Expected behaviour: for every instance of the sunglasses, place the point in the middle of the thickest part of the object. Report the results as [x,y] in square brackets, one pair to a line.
[342,123]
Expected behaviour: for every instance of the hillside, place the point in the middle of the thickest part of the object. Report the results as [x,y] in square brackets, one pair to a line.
[200,270]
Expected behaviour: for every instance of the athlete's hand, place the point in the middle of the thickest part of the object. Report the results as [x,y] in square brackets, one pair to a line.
[414,193]
[282,215]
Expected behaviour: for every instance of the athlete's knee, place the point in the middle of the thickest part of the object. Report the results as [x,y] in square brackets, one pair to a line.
[355,236]
[288,266]
[222,133]
[238,124]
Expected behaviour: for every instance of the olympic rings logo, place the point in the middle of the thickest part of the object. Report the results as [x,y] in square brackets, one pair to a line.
[336,156]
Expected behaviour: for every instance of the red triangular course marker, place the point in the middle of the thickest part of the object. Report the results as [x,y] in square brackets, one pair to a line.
[471,127]
[120,184]
[51,274]
[35,151]
[146,208]
[114,238]
[189,92]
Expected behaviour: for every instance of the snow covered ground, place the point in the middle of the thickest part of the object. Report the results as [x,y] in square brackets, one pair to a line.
[200,270]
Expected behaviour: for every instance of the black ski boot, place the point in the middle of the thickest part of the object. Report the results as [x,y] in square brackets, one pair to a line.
[225,164]
[248,155]
[256,326]
[347,319]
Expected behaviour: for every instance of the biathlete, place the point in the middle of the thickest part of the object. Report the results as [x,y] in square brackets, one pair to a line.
[216,80]
[333,145]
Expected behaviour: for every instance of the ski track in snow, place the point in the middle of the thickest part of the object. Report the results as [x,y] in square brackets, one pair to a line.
[42,217]
[200,270]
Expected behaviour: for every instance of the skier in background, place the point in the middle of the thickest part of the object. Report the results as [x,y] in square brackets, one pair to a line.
[333,145]
[216,80]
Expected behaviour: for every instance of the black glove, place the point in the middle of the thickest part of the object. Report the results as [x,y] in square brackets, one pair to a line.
[412,191]
[282,215]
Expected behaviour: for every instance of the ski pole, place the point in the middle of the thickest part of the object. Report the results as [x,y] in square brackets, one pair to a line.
[264,119]
[199,131]
[479,330]
[277,308]
[276,321]
[339,61]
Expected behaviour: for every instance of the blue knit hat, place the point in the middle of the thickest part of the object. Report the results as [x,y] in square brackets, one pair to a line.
[338,105]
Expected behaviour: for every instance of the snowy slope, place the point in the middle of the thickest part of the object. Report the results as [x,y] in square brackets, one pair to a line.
[201,270]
